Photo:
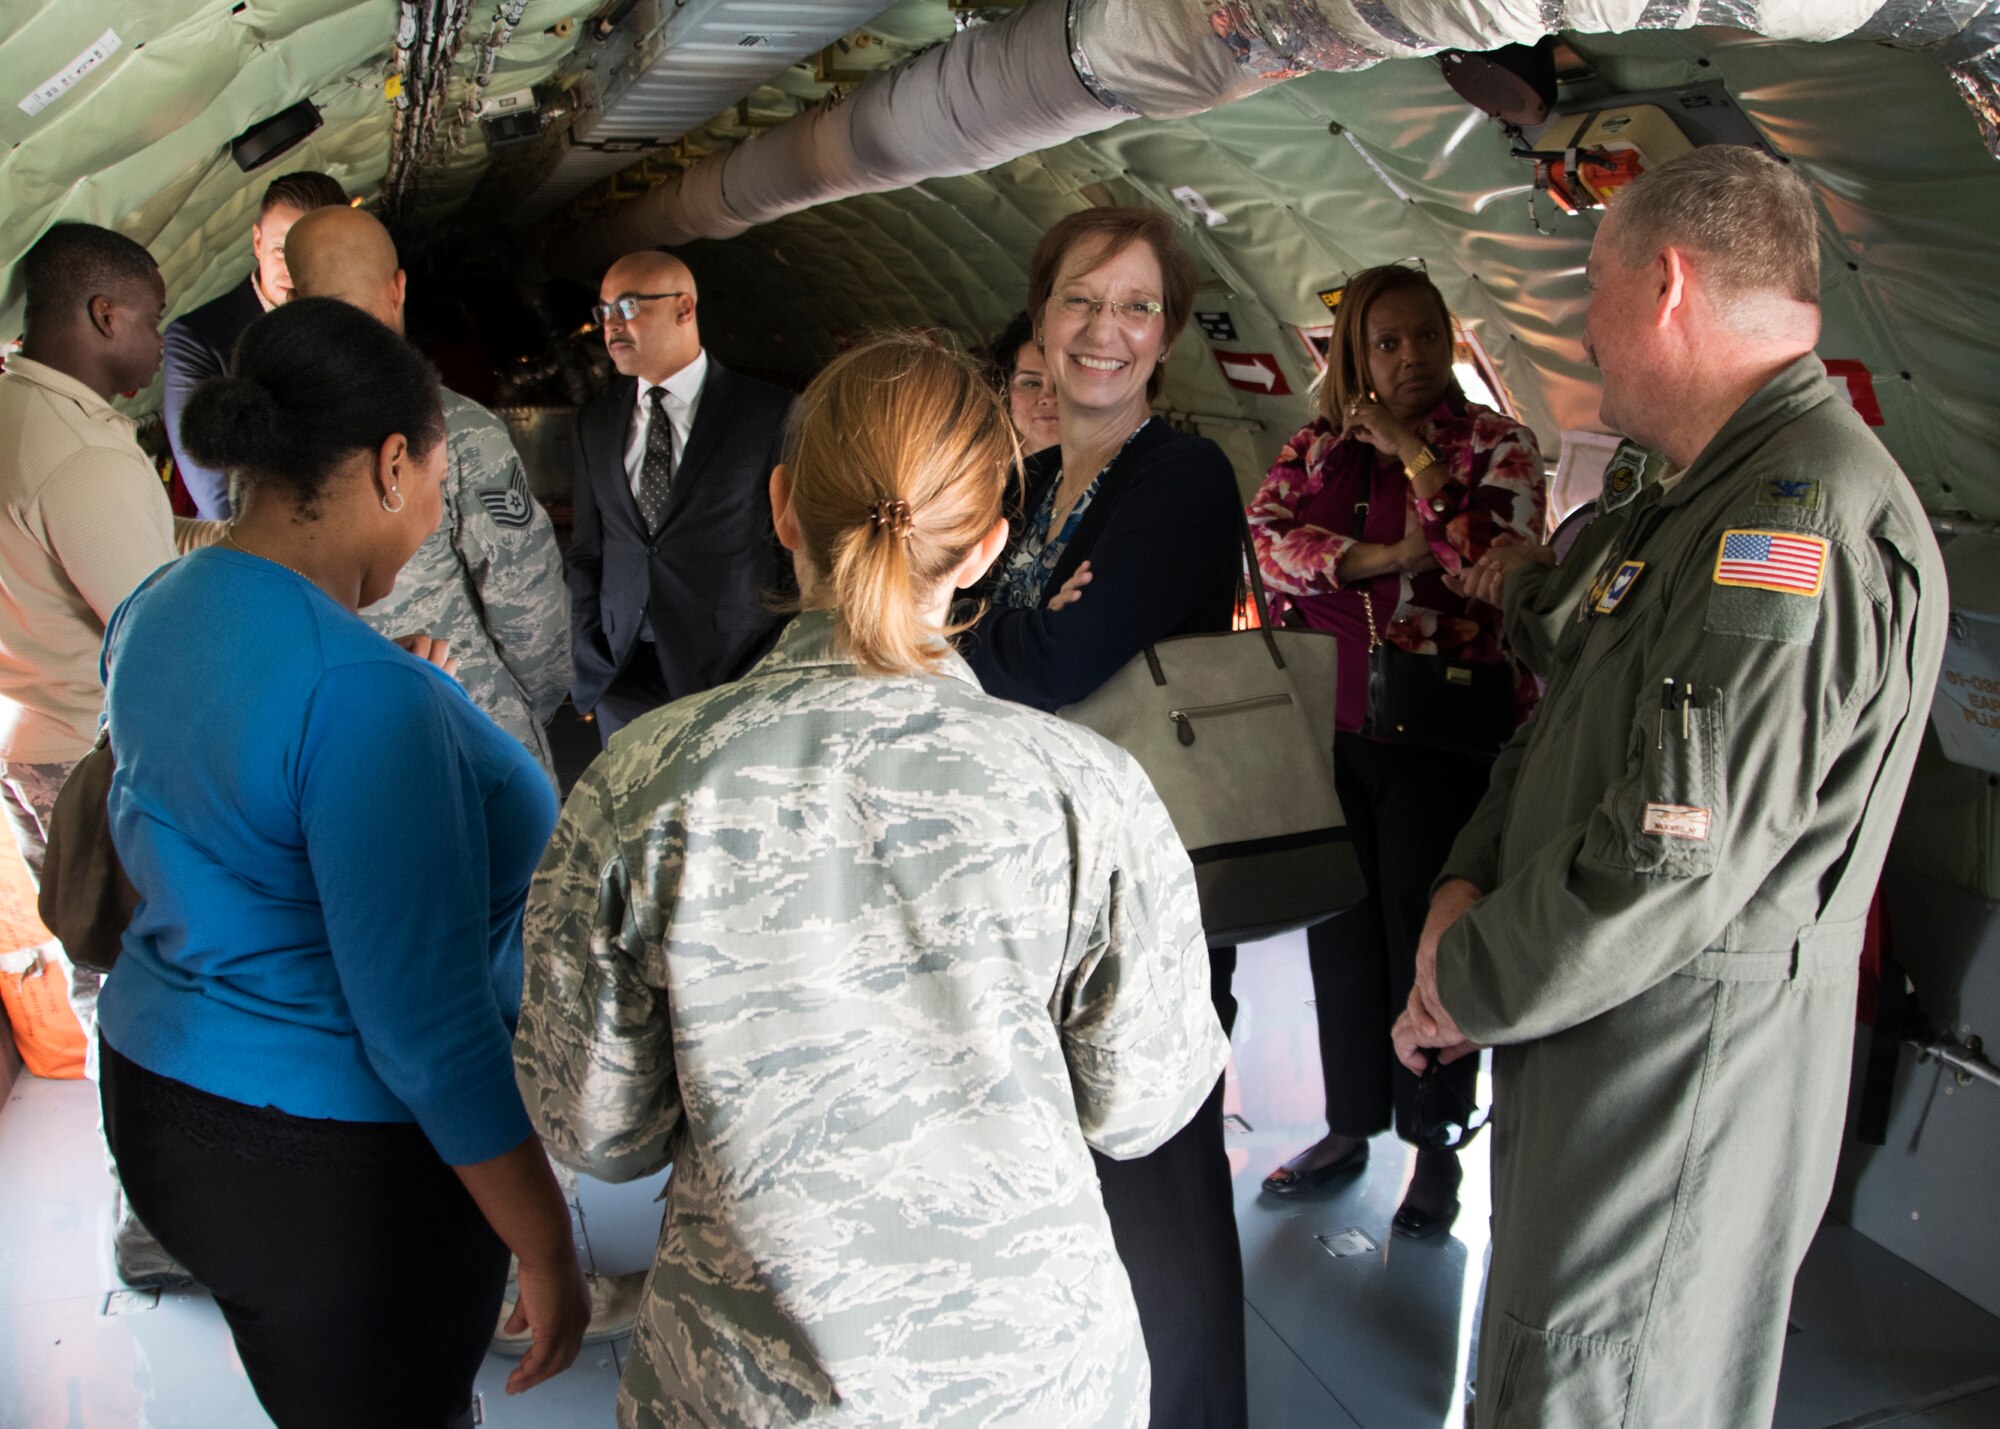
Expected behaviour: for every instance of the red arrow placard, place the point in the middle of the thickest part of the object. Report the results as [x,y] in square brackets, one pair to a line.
[1254,372]
[1859,387]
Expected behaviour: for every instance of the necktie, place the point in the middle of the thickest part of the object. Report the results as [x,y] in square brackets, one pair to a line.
[656,471]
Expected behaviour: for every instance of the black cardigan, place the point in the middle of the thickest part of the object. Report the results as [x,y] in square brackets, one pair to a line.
[1161,538]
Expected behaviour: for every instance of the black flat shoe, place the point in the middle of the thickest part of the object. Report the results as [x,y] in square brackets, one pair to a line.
[1422,1225]
[1286,1182]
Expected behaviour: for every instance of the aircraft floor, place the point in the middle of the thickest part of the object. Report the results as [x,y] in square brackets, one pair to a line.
[1376,1338]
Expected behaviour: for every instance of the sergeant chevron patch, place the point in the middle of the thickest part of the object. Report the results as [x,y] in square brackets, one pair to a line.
[511,507]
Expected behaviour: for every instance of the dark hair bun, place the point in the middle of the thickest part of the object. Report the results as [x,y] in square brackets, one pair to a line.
[233,423]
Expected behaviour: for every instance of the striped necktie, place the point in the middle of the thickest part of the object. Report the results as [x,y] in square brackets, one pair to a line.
[656,471]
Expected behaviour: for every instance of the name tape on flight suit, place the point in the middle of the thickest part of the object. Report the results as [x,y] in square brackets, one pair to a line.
[1677,821]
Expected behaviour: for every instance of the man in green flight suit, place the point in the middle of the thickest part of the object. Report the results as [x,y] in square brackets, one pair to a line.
[1656,915]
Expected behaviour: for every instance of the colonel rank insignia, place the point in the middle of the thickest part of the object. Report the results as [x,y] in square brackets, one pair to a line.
[1794,493]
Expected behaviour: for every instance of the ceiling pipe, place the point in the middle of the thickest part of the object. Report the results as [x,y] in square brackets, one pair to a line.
[1058,69]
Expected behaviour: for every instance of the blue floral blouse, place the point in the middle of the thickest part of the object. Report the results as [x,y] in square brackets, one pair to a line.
[1024,581]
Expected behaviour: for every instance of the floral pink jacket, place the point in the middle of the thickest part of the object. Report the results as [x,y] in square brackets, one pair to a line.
[1495,491]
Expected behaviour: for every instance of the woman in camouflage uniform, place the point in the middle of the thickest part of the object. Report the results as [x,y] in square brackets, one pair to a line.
[874,960]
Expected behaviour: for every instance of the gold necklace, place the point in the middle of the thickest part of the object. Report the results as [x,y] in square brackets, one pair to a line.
[229,539]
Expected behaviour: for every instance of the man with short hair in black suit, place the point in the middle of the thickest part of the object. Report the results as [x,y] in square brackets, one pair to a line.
[673,563]
[200,343]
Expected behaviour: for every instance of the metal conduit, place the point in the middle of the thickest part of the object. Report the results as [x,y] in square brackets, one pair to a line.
[1058,69]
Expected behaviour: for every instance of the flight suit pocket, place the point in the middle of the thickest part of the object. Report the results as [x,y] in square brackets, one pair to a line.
[1548,1379]
[1669,817]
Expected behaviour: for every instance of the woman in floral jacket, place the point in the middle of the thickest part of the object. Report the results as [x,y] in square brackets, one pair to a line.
[1365,526]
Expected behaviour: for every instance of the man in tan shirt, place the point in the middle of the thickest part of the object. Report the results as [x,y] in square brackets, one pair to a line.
[86,520]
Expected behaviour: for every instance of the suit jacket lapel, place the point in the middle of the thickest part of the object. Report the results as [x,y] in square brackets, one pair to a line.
[711,418]
[614,425]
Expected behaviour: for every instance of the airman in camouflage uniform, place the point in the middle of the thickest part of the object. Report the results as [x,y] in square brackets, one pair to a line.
[873,961]
[490,580]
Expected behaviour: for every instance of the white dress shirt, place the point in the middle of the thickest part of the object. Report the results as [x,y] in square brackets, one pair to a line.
[683,395]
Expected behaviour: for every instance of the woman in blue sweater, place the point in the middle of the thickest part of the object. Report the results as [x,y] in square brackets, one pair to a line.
[308,1081]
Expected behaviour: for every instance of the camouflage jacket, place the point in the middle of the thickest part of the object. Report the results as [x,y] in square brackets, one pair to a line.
[873,962]
[490,580]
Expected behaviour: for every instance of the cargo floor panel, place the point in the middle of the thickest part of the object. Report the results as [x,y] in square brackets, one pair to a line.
[1347,1326]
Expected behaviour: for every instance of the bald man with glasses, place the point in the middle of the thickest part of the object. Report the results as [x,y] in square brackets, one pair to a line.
[673,562]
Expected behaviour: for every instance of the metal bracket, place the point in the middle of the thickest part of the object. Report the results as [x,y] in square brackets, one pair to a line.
[1966,1059]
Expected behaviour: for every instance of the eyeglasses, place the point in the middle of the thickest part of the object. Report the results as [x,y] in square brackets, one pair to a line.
[1126,315]
[626,305]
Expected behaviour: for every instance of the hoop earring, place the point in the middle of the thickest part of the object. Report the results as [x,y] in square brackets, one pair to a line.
[392,510]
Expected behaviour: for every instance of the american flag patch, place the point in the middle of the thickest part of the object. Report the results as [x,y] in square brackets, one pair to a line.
[1772,560]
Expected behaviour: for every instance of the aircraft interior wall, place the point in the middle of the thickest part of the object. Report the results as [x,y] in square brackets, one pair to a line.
[1910,276]
[1282,194]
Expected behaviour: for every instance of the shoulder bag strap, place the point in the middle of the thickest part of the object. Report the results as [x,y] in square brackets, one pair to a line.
[1257,592]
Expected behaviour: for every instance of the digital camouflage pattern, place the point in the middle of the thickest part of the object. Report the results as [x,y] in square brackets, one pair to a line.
[873,962]
[490,580]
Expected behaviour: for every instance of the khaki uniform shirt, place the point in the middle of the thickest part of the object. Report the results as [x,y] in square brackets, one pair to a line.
[1677,880]
[490,580]
[874,962]
[85,520]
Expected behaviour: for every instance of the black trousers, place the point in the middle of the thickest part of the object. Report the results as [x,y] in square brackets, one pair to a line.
[1404,807]
[1173,1217]
[639,689]
[359,1279]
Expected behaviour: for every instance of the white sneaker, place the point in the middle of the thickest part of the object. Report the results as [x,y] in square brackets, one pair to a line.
[614,1306]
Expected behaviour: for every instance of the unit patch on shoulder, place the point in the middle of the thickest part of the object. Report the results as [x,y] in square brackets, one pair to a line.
[511,505]
[1767,585]
[1619,586]
[1794,493]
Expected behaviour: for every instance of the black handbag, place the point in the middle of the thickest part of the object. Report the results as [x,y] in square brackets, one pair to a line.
[1458,706]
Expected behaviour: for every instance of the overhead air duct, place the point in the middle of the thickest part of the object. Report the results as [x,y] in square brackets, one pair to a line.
[1057,69]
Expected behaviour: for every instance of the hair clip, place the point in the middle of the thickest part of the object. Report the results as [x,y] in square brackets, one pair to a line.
[892,516]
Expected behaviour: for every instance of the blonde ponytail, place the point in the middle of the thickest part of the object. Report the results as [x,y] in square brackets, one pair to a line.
[900,455]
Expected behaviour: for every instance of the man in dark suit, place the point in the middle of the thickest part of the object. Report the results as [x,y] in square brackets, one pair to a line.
[673,564]
[200,343]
